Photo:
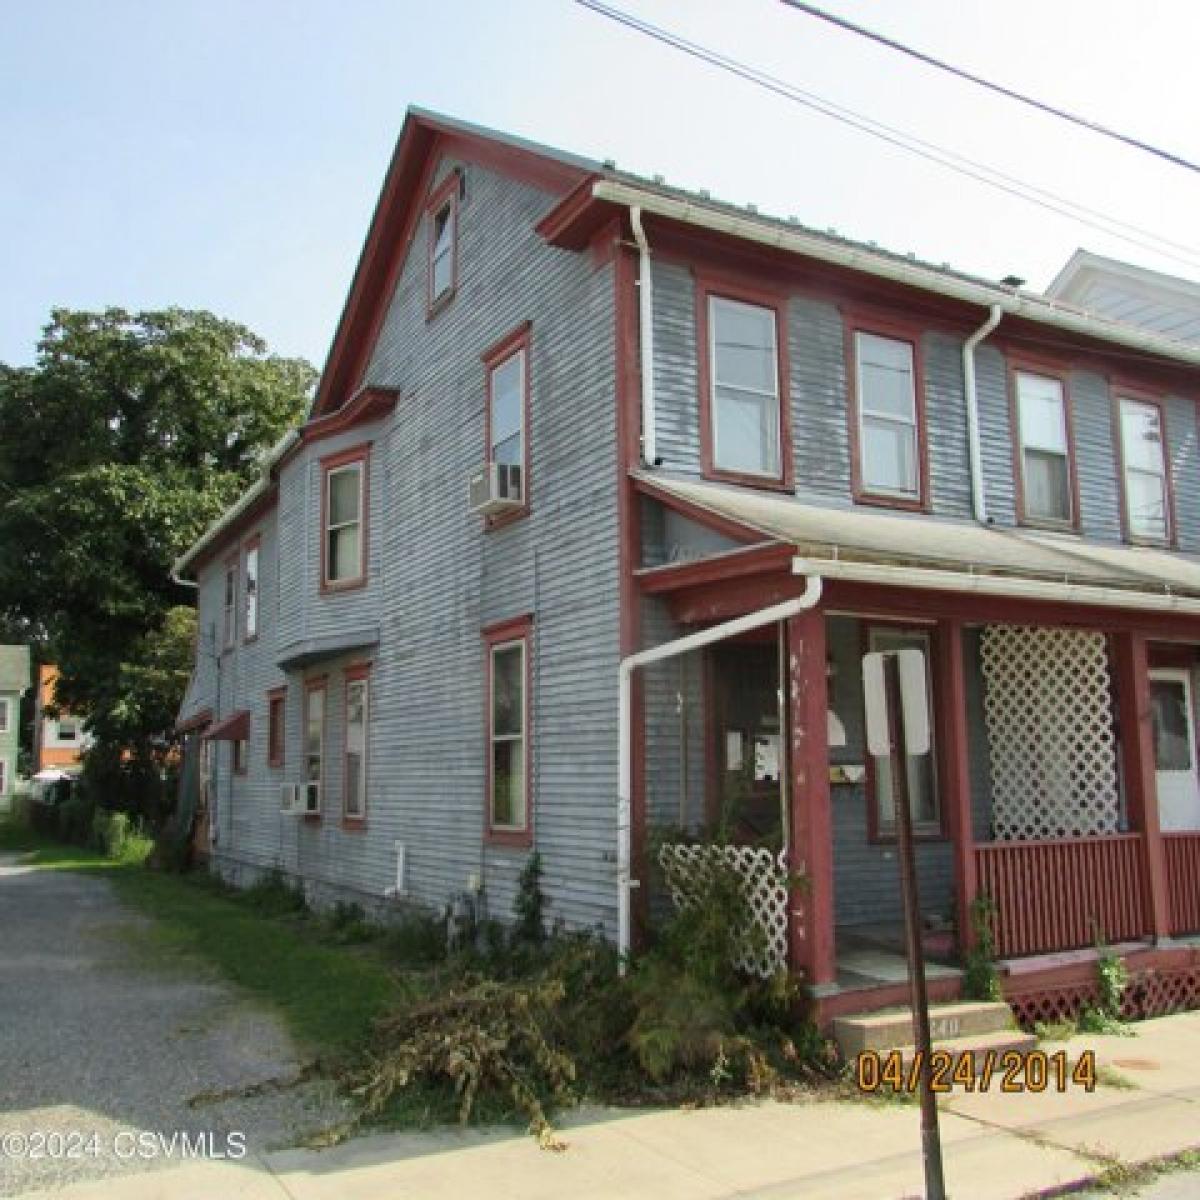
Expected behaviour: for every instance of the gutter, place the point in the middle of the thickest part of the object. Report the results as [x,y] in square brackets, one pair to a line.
[249,497]
[871,262]
[809,598]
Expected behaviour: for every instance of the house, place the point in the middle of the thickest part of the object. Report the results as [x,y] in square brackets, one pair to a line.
[570,417]
[59,741]
[1165,304]
[14,683]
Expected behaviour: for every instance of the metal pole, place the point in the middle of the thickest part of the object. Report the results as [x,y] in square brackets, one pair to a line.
[931,1142]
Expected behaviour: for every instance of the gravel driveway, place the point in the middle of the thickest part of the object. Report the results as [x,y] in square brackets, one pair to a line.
[103,1044]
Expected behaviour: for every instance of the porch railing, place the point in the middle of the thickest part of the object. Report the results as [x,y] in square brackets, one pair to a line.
[1063,894]
[1182,851]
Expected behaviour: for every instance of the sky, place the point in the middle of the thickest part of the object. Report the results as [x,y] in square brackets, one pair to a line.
[227,154]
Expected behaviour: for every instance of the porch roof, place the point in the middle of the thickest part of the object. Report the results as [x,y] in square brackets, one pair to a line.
[826,534]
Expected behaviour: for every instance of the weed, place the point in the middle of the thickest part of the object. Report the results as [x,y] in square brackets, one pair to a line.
[981,981]
[530,902]
[1056,1031]
[272,895]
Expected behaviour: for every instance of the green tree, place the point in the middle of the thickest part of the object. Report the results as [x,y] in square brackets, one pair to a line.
[129,435]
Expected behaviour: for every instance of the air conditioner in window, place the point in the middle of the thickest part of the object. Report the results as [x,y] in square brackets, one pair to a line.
[289,799]
[310,796]
[496,488]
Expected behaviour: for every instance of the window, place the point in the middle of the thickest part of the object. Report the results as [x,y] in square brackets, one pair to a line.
[508,741]
[314,732]
[68,729]
[1045,449]
[442,219]
[744,409]
[506,418]
[231,589]
[889,432]
[3,775]
[1144,465]
[354,796]
[276,725]
[344,543]
[922,772]
[5,718]
[251,597]
[239,756]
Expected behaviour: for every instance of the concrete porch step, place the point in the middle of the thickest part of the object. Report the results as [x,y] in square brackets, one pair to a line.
[985,1051]
[892,1029]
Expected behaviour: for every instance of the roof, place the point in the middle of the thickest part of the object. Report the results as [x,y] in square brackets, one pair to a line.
[14,668]
[233,728]
[824,534]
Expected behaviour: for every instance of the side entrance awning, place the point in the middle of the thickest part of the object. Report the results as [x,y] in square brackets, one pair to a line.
[233,728]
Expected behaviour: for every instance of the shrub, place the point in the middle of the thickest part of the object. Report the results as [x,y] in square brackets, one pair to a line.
[120,838]
[529,902]
[346,924]
[272,895]
[75,816]
[417,940]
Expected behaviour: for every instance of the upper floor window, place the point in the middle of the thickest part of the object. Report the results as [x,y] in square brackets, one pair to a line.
[744,385]
[1144,465]
[442,221]
[924,802]
[230,605]
[3,775]
[68,729]
[354,795]
[5,718]
[1045,449]
[344,543]
[508,735]
[507,415]
[889,427]
[251,590]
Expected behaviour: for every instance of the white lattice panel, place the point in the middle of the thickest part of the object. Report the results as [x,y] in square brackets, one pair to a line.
[688,869]
[1048,709]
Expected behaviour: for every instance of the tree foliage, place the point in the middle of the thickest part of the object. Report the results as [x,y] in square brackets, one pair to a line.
[129,435]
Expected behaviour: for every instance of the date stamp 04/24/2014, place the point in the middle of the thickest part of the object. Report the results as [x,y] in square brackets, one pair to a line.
[1011,1071]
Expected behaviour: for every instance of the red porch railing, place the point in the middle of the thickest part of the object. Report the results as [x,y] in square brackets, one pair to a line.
[1182,851]
[1060,895]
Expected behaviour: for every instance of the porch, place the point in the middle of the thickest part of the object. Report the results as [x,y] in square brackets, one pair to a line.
[1062,784]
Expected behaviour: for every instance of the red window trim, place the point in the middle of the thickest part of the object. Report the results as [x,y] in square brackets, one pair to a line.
[518,629]
[1120,390]
[876,835]
[331,462]
[1047,369]
[514,342]
[897,331]
[354,673]
[230,621]
[251,543]
[276,696]
[318,683]
[728,288]
[447,192]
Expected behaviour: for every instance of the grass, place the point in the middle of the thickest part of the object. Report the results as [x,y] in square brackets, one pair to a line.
[328,996]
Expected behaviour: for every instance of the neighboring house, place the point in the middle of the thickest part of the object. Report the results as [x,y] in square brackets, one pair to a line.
[59,741]
[14,683]
[570,414]
[1165,304]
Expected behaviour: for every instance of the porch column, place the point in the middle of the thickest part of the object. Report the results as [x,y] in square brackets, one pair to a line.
[812,944]
[1137,760]
[950,703]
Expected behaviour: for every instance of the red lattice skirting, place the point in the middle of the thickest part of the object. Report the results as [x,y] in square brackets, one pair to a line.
[1151,993]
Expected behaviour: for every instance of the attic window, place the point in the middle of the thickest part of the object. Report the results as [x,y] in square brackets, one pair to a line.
[442,217]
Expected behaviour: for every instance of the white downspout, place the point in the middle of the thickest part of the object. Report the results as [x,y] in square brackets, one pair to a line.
[809,598]
[970,388]
[646,327]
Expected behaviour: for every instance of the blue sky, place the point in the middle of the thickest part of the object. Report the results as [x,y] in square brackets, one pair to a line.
[226,154]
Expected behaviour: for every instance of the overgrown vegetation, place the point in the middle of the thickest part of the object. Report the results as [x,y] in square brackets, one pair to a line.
[1112,977]
[981,981]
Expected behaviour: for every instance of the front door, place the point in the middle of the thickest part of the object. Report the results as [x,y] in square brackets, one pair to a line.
[1175,750]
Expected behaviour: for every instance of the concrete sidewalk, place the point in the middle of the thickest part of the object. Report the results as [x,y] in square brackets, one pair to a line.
[995,1145]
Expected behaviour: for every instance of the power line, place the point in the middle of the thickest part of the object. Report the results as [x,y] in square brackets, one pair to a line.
[989,176]
[1009,93]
